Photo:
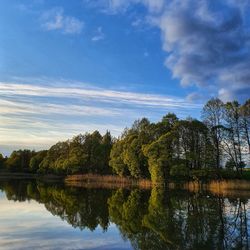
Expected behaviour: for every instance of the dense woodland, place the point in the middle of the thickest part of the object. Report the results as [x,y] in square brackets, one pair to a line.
[219,145]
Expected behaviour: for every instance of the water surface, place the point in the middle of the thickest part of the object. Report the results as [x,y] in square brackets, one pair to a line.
[52,216]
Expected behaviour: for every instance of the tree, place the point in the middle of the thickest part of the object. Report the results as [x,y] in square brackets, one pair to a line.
[194,144]
[36,160]
[19,160]
[88,153]
[107,142]
[127,154]
[116,159]
[245,123]
[2,160]
[164,126]
[233,123]
[55,157]
[160,156]
[212,114]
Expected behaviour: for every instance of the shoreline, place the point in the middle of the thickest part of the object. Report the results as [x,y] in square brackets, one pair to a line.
[107,181]
[221,187]
[9,175]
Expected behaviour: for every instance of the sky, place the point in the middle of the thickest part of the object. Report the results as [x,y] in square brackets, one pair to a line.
[70,67]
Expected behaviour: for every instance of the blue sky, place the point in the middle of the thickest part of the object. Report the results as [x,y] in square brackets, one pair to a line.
[67,67]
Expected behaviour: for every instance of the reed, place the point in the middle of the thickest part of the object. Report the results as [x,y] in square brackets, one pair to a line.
[106,181]
[223,187]
[238,187]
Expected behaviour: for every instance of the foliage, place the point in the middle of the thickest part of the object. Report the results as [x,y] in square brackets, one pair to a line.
[170,148]
[179,171]
[88,153]
[2,162]
[36,160]
[19,160]
[160,157]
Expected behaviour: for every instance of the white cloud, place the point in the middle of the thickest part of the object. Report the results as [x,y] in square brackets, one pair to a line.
[115,6]
[55,19]
[137,22]
[207,44]
[99,35]
[95,94]
[154,5]
[24,107]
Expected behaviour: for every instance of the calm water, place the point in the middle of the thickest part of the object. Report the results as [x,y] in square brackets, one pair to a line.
[34,215]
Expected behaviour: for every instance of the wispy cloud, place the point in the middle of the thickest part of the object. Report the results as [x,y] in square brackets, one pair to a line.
[115,6]
[35,112]
[24,107]
[99,35]
[55,19]
[96,94]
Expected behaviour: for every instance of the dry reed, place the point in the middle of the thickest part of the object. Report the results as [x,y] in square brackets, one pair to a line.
[106,181]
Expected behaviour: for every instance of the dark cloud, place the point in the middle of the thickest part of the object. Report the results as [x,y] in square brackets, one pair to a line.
[208,45]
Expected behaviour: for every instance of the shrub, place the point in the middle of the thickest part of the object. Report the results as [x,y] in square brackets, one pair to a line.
[179,171]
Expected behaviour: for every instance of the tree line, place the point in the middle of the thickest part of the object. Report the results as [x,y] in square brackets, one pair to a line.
[170,148]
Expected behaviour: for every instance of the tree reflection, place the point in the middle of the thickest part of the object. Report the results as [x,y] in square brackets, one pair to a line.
[155,219]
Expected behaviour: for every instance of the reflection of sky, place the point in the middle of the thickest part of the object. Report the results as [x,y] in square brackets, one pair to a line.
[28,225]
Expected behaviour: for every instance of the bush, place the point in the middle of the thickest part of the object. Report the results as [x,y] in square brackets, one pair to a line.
[179,171]
[204,174]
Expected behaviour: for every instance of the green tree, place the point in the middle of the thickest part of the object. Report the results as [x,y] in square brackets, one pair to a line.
[127,154]
[36,160]
[2,162]
[160,156]
[116,159]
[19,160]
[55,157]
[107,142]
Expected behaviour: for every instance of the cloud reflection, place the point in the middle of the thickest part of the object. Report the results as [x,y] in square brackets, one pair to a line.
[28,225]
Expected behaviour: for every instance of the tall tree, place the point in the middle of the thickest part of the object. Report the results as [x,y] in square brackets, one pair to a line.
[36,160]
[245,113]
[2,159]
[161,156]
[212,115]
[19,160]
[116,159]
[194,144]
[233,124]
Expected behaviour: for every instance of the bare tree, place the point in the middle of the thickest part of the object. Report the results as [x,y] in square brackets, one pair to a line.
[212,115]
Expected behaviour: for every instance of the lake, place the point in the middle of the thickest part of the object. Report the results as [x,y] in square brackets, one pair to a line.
[37,215]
